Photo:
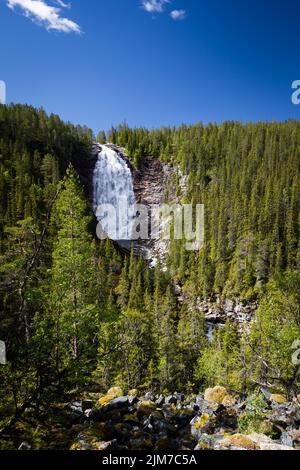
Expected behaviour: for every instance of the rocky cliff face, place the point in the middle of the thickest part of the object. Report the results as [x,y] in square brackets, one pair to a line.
[154,184]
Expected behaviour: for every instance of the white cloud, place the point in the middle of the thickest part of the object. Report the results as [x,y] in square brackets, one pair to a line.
[155,6]
[178,15]
[49,16]
[63,4]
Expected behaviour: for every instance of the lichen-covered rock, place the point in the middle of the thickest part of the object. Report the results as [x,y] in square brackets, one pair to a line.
[112,393]
[115,391]
[238,441]
[266,443]
[277,398]
[206,442]
[202,424]
[228,400]
[146,407]
[219,395]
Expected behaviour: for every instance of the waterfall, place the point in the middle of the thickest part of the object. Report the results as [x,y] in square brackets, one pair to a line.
[113,198]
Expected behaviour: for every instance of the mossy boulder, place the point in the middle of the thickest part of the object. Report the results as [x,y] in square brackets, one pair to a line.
[146,407]
[133,392]
[279,399]
[112,393]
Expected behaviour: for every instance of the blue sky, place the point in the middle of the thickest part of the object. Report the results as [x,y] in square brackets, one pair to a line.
[100,62]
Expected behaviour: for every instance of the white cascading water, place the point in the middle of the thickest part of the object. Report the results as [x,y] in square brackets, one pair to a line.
[113,186]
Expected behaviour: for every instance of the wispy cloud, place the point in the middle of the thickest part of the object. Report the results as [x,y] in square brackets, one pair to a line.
[47,15]
[154,6]
[63,4]
[178,15]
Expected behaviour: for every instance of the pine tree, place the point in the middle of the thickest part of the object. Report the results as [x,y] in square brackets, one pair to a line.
[72,301]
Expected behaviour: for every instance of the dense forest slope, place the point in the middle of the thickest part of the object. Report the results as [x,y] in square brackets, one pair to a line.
[79,317]
[248,178]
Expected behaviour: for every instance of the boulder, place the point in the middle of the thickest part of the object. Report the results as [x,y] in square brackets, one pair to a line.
[202,424]
[208,442]
[229,401]
[265,443]
[287,439]
[115,392]
[146,407]
[238,441]
[112,393]
[218,395]
[115,404]
[252,441]
[284,416]
[277,398]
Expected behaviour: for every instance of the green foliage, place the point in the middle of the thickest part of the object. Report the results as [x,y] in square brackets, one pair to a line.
[221,363]
[76,312]
[254,417]
[273,334]
[73,297]
[248,178]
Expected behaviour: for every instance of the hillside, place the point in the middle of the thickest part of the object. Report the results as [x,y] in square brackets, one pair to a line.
[79,316]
